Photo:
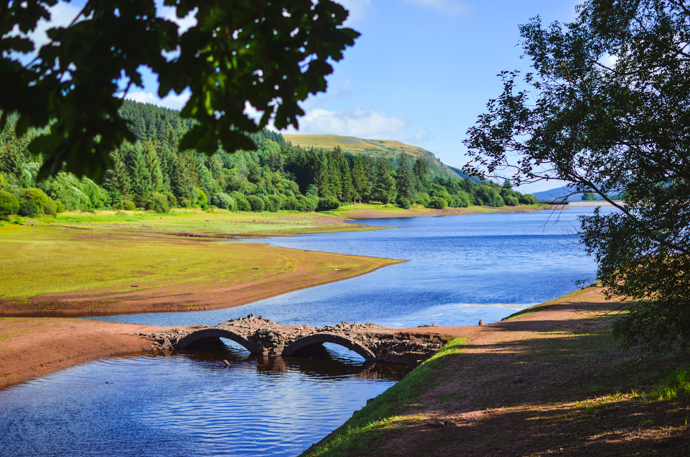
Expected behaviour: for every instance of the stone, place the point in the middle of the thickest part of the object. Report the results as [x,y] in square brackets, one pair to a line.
[518,380]
[481,321]
[437,423]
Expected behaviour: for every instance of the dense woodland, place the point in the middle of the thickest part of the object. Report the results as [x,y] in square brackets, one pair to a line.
[154,174]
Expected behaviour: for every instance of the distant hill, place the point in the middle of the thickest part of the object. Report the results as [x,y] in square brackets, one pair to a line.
[559,192]
[377,148]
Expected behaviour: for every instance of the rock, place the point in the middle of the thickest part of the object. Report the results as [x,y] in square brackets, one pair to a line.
[437,423]
[481,321]
[518,380]
[370,401]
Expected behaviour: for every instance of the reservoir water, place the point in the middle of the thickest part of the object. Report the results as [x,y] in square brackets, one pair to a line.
[459,269]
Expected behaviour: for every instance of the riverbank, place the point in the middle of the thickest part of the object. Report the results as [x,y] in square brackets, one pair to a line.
[31,347]
[549,381]
[379,211]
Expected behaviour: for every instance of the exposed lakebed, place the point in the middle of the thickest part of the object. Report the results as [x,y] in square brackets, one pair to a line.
[460,269]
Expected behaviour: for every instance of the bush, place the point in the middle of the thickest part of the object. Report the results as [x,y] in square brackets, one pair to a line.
[291,203]
[437,202]
[171,199]
[158,203]
[328,203]
[51,208]
[224,201]
[403,202]
[127,205]
[185,203]
[276,202]
[257,204]
[60,208]
[201,199]
[32,202]
[8,203]
[511,201]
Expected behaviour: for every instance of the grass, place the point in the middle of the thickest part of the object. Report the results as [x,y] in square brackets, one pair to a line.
[369,425]
[385,148]
[116,252]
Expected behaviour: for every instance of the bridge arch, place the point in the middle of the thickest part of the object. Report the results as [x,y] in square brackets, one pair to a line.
[319,338]
[219,333]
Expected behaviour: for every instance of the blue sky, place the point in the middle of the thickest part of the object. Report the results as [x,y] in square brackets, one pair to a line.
[421,72]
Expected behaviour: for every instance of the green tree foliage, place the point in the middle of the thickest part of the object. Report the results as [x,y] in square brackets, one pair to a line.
[589,196]
[271,54]
[384,187]
[280,175]
[437,202]
[605,109]
[405,183]
[8,204]
[32,202]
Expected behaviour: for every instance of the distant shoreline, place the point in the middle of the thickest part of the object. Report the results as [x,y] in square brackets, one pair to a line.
[591,203]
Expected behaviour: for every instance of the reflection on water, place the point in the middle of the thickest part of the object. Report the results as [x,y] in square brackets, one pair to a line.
[189,404]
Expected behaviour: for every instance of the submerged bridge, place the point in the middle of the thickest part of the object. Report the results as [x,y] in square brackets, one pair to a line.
[263,337]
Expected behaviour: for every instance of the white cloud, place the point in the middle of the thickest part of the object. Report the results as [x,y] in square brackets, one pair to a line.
[172,100]
[453,7]
[359,10]
[361,122]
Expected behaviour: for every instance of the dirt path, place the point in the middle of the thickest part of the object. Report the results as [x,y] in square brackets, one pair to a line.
[32,347]
[551,382]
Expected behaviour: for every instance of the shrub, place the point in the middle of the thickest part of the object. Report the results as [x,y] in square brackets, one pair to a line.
[276,202]
[51,208]
[127,205]
[403,202]
[256,203]
[60,208]
[32,202]
[223,201]
[291,203]
[201,199]
[328,203]
[171,199]
[8,203]
[158,203]
[437,202]
[511,201]
[185,203]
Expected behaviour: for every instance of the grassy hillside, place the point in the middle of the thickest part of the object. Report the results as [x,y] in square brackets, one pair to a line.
[378,148]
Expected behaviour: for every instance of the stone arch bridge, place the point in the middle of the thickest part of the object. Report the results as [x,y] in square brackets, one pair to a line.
[263,337]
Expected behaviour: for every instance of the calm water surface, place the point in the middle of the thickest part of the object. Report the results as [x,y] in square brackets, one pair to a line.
[460,269]
[187,405]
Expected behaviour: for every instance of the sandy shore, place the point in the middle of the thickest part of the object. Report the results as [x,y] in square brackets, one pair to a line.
[31,347]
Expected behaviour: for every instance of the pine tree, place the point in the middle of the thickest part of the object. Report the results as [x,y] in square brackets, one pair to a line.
[347,189]
[421,173]
[360,180]
[384,190]
[404,183]
[139,175]
[153,164]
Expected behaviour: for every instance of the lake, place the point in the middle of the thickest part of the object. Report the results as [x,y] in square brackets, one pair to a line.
[459,269]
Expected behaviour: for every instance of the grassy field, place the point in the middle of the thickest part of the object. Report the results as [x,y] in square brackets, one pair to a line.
[132,262]
[549,382]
